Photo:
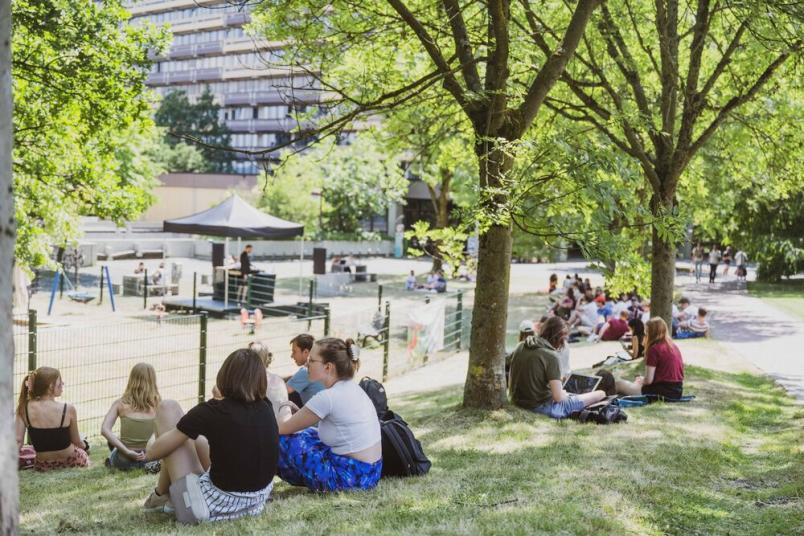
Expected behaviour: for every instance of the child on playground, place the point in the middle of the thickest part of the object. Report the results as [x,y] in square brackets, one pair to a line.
[52,426]
[219,459]
[136,410]
[344,451]
[664,366]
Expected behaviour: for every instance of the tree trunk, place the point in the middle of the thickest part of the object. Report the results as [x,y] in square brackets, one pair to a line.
[663,273]
[9,494]
[485,380]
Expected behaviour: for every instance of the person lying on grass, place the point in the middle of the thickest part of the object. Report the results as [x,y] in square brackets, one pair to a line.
[52,426]
[218,460]
[664,366]
[345,450]
[137,411]
[536,374]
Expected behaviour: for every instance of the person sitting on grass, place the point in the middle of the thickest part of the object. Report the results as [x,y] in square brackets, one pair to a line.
[696,327]
[637,329]
[277,390]
[614,328]
[664,366]
[536,375]
[137,411]
[299,386]
[218,460]
[345,450]
[410,282]
[52,426]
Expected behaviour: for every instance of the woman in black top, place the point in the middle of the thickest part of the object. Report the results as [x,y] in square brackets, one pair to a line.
[52,426]
[227,471]
[637,329]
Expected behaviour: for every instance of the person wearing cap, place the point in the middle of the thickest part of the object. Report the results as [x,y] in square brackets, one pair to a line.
[525,330]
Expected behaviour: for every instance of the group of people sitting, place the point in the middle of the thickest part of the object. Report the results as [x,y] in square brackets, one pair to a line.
[598,315]
[218,460]
[537,372]
[436,282]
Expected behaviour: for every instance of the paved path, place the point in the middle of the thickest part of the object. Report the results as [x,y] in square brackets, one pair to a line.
[767,337]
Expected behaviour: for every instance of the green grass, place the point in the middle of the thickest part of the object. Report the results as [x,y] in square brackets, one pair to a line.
[787,295]
[728,463]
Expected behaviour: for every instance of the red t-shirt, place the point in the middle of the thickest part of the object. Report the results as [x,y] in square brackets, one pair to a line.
[617,328]
[666,357]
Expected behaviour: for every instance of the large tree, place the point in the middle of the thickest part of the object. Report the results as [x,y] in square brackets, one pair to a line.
[80,108]
[9,494]
[476,57]
[659,79]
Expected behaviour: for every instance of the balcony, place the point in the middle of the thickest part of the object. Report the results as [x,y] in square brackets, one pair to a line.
[159,6]
[184,77]
[267,125]
[272,96]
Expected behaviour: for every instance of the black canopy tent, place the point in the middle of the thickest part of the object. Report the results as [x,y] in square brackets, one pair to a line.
[234,218]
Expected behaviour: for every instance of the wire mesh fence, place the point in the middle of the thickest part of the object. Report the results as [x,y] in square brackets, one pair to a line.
[187,350]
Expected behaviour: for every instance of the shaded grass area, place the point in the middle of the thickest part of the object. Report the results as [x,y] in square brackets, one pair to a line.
[787,295]
[729,463]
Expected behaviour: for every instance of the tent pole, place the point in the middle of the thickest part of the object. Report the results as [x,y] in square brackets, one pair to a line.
[225,250]
[301,263]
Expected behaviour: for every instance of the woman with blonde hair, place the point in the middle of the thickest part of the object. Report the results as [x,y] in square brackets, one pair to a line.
[136,410]
[277,390]
[52,426]
[664,366]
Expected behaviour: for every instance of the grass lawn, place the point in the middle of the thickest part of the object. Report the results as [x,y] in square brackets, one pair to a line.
[787,295]
[729,463]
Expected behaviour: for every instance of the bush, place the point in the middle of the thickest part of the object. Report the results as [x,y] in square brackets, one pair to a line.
[778,258]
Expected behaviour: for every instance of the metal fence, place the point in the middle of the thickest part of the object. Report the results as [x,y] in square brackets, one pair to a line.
[187,350]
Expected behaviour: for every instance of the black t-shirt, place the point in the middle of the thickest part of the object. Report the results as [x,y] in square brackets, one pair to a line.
[243,441]
[245,263]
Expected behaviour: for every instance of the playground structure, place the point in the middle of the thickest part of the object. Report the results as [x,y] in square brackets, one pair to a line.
[75,294]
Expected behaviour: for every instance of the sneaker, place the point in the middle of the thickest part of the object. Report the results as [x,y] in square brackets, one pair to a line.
[153,467]
[593,338]
[158,503]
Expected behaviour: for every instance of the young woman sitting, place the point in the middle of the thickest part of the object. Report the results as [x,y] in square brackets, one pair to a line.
[52,426]
[136,410]
[664,367]
[536,375]
[218,460]
[637,329]
[345,451]
[277,390]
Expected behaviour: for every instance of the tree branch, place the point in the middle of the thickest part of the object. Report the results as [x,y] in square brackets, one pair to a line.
[463,47]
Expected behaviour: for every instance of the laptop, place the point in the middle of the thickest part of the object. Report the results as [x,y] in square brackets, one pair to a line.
[579,384]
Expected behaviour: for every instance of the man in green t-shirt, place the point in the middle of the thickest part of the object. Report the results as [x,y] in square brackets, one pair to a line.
[535,378]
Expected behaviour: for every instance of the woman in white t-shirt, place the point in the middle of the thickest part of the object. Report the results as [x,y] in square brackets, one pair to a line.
[345,451]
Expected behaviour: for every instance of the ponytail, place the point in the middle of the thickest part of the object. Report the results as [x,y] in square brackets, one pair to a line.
[25,391]
[37,384]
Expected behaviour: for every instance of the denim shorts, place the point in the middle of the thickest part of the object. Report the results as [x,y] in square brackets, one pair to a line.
[561,410]
[118,461]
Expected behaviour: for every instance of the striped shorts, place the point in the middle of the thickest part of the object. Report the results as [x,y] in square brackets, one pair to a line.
[304,460]
[220,504]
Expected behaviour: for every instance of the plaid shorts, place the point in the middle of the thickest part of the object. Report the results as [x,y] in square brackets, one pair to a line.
[304,460]
[196,499]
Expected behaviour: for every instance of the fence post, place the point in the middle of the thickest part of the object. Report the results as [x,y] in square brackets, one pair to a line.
[386,344]
[379,297]
[31,339]
[100,296]
[202,358]
[310,300]
[459,317]
[195,277]
[145,289]
[248,291]
[326,321]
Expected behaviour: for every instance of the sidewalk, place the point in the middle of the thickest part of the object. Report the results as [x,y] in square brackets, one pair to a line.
[769,338]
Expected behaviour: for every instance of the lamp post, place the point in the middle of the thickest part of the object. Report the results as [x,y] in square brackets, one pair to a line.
[320,195]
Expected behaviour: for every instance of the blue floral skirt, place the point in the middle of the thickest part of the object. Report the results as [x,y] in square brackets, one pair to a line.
[304,460]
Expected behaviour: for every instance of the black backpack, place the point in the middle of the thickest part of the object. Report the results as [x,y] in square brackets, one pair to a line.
[402,453]
[603,414]
[376,393]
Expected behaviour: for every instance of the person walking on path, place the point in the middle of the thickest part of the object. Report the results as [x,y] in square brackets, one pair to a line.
[727,260]
[697,260]
[740,259]
[714,260]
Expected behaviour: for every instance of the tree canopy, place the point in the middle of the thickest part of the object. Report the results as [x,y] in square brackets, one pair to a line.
[80,109]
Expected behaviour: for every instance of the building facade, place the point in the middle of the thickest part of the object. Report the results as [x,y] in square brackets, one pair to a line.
[261,100]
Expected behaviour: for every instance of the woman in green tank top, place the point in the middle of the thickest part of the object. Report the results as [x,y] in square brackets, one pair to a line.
[136,410]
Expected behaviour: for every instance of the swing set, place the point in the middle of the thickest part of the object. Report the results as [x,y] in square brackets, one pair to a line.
[74,293]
